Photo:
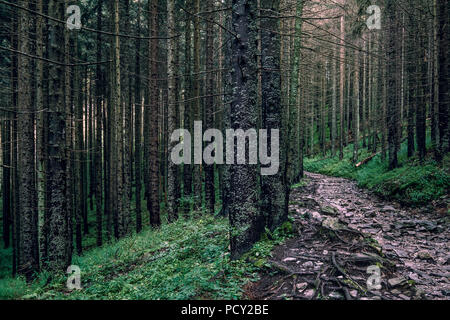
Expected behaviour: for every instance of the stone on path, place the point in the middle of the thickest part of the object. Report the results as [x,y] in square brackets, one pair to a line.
[395,282]
[310,293]
[301,286]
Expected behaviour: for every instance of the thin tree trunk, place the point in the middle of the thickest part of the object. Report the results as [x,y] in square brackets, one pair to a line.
[59,243]
[197,172]
[443,8]
[341,89]
[275,191]
[152,108]
[188,107]
[392,105]
[98,155]
[356,110]
[292,156]
[172,186]
[138,126]
[28,258]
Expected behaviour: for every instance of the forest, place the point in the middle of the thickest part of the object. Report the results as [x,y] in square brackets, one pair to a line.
[224,149]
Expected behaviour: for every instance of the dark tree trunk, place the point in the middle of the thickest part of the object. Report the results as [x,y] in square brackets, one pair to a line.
[443,8]
[28,258]
[209,107]
[275,191]
[98,142]
[78,156]
[59,255]
[138,126]
[188,106]
[392,118]
[6,180]
[197,169]
[172,168]
[421,76]
[246,219]
[152,119]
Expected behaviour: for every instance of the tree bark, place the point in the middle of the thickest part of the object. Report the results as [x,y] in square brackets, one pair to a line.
[246,219]
[209,107]
[152,108]
[275,191]
[172,185]
[28,258]
[59,243]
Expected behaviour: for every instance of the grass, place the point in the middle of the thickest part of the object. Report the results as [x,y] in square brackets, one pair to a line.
[413,183]
[188,259]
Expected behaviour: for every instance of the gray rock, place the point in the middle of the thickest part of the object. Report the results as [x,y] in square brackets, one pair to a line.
[328,210]
[354,293]
[301,286]
[395,282]
[309,293]
[317,216]
[332,223]
[387,209]
[336,295]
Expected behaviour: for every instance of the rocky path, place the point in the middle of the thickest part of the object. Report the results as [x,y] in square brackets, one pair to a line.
[344,232]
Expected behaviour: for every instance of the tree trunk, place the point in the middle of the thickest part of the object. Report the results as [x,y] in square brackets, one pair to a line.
[98,136]
[341,89]
[292,156]
[188,107]
[356,110]
[275,191]
[209,107]
[172,185]
[152,118]
[138,126]
[246,219]
[59,243]
[392,106]
[28,258]
[443,8]
[197,171]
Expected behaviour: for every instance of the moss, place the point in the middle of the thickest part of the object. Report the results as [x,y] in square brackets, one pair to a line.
[287,228]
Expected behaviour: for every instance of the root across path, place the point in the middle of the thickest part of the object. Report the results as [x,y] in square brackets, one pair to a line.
[346,237]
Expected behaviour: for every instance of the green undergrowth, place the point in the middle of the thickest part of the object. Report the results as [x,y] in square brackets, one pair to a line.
[413,183]
[188,259]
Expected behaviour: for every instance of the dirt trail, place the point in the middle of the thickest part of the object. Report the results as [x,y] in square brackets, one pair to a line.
[343,230]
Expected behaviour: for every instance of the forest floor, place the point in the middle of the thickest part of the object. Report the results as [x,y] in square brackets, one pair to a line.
[342,230]
[336,230]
